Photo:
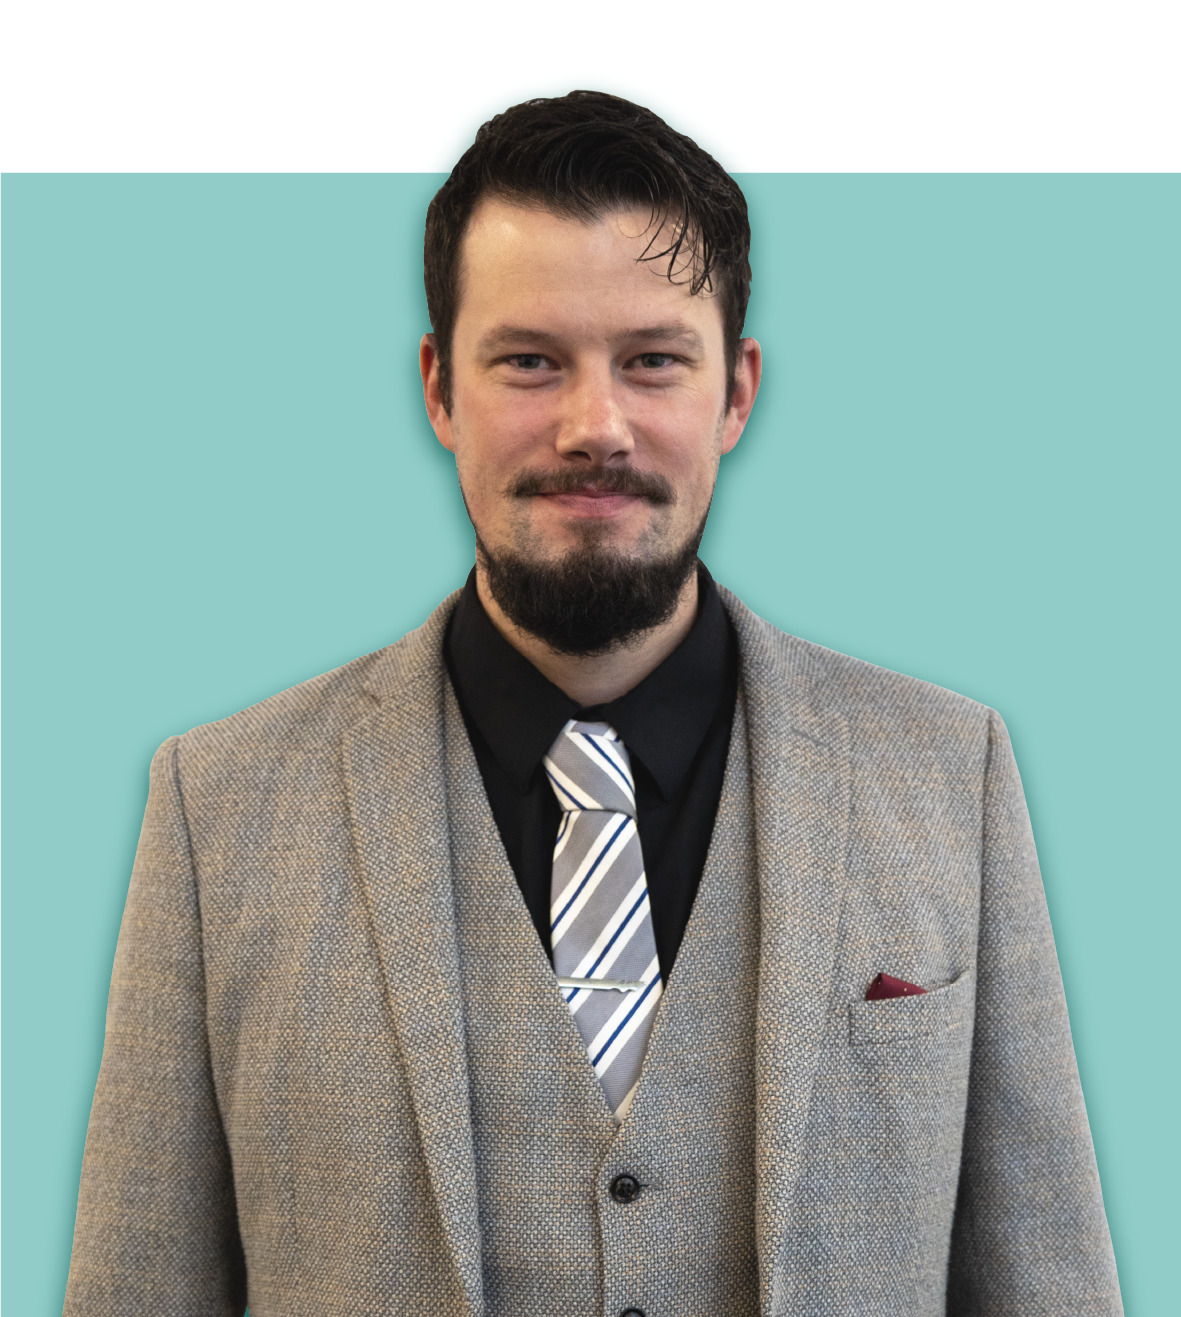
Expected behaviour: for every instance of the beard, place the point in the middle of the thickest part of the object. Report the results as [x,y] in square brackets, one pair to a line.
[593,599]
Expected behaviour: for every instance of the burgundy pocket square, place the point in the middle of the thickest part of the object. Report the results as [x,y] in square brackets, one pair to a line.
[886,986]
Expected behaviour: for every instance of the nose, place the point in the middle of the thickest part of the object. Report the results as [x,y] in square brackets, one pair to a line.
[594,428]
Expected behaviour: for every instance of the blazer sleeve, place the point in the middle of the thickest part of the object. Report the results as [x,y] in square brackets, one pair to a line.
[1030,1234]
[157,1229]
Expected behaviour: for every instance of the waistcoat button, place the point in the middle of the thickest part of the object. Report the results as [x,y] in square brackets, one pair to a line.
[632,1312]
[626,1189]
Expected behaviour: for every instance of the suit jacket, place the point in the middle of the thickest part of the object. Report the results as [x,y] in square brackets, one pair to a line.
[283,1111]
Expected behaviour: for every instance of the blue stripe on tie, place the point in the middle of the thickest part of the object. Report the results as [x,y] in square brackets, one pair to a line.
[578,805]
[587,876]
[590,972]
[634,1009]
[598,749]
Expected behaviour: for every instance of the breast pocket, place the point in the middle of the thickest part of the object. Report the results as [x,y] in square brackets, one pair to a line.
[906,1063]
[940,1013]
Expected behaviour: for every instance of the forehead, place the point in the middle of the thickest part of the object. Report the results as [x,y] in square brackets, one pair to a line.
[527,256]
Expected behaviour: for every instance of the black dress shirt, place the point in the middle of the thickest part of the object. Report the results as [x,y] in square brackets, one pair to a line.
[676,726]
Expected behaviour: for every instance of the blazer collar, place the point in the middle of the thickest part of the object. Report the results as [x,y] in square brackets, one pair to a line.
[395,776]
[800,772]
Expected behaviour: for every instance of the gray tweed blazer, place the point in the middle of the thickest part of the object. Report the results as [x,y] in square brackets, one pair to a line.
[283,1110]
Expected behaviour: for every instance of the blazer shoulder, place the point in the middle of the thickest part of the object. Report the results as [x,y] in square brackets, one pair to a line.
[313,716]
[874,701]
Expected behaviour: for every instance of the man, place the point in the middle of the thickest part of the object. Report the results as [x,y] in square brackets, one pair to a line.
[596,948]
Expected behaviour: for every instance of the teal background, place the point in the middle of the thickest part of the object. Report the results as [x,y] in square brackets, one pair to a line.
[220,482]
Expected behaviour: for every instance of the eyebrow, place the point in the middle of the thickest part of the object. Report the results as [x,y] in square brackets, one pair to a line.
[518,336]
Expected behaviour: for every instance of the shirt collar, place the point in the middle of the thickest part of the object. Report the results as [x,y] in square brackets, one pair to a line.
[519,712]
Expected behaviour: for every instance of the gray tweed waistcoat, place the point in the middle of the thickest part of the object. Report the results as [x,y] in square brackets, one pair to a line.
[554,1242]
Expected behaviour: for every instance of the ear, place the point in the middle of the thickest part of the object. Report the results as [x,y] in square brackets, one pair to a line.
[428,368]
[748,371]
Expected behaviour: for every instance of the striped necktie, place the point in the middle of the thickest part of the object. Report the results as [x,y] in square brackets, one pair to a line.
[600,922]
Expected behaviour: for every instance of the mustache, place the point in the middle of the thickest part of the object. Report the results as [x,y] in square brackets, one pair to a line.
[614,480]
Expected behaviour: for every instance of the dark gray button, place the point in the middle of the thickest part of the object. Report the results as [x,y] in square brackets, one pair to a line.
[632,1312]
[626,1189]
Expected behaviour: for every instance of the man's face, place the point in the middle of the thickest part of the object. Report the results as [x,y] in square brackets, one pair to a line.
[588,391]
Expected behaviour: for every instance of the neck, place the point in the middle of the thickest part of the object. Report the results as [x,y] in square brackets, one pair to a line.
[597,678]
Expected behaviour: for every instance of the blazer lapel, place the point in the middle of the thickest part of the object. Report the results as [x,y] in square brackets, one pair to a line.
[799,755]
[395,773]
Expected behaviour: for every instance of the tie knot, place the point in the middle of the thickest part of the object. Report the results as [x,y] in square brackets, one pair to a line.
[589,769]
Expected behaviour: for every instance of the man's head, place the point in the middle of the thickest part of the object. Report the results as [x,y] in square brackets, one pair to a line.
[587,278]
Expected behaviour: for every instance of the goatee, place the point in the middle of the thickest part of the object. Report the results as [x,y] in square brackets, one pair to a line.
[591,601]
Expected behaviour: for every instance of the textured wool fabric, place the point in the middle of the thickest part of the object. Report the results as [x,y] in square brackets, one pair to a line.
[554,1242]
[284,1117]
[540,1121]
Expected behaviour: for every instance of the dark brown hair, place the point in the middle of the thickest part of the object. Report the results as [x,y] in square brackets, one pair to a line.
[584,155]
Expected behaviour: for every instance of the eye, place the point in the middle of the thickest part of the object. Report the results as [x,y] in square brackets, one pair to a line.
[528,360]
[656,360]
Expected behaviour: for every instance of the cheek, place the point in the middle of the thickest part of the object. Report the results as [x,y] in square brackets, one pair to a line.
[682,440]
[499,433]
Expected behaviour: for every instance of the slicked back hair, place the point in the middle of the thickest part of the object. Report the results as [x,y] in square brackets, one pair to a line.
[585,155]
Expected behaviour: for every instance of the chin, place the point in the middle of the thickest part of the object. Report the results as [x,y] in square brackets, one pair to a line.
[594,596]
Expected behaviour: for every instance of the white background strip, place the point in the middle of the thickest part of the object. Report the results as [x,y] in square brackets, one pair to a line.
[360,85]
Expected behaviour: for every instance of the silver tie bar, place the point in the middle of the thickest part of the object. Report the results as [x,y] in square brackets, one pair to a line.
[609,985]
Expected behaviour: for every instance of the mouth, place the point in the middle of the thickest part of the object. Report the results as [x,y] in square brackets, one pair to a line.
[591,503]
